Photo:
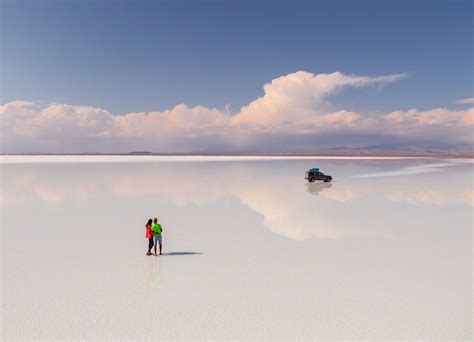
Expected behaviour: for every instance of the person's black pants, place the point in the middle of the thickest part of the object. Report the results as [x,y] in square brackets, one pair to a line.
[150,244]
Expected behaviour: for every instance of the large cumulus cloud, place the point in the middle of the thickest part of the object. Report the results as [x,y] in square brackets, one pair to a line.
[293,112]
[301,98]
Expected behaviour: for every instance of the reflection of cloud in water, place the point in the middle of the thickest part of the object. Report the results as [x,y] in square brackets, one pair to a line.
[285,205]
[28,185]
[431,196]
[51,194]
[289,212]
[285,208]
[179,187]
[341,193]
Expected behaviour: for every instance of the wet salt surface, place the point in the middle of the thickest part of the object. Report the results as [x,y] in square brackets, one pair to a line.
[252,250]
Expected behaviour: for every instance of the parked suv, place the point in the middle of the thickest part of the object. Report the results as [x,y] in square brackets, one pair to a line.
[314,174]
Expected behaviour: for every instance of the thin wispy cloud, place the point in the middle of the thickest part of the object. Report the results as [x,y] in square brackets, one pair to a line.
[466,101]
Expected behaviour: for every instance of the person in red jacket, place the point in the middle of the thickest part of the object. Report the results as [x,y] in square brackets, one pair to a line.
[149,236]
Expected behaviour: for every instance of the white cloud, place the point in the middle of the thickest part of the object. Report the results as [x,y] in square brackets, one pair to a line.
[299,97]
[466,101]
[178,119]
[439,116]
[293,107]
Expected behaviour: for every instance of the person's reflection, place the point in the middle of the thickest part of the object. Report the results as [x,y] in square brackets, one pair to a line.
[316,187]
[152,273]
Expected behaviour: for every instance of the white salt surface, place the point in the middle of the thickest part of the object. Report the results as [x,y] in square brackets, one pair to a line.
[411,170]
[253,251]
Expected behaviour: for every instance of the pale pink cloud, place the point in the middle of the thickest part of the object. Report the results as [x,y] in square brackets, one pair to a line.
[293,105]
[461,118]
[299,96]
[466,101]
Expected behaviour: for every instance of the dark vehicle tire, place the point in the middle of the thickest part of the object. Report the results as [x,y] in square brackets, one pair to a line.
[311,180]
[327,180]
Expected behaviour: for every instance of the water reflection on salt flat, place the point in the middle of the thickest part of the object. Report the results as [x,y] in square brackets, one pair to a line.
[275,190]
[252,248]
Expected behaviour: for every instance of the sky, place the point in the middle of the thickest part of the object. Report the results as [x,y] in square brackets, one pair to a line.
[184,76]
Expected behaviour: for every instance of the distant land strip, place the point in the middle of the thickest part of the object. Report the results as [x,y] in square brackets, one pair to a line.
[394,153]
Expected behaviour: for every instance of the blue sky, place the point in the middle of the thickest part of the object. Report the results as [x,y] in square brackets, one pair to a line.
[150,55]
[145,56]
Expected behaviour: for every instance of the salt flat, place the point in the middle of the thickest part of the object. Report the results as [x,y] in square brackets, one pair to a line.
[252,251]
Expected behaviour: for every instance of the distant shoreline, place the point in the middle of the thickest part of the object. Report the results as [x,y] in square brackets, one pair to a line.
[381,154]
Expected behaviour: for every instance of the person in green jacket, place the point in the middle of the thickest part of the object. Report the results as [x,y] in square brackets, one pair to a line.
[156,228]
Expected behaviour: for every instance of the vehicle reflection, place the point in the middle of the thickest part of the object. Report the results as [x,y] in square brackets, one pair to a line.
[316,187]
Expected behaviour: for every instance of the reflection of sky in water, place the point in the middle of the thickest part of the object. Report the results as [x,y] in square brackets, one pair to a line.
[276,190]
[391,237]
